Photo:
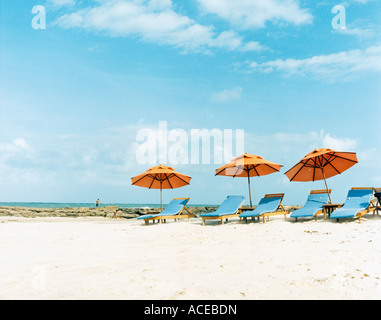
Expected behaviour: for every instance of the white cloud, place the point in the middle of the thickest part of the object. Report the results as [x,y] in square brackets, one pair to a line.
[61,3]
[233,41]
[16,159]
[333,66]
[255,13]
[228,39]
[227,95]
[160,4]
[153,21]
[98,161]
[363,29]
[285,144]
[357,32]
[253,46]
[18,147]
[339,144]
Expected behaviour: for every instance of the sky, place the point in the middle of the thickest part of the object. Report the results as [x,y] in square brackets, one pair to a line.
[77,87]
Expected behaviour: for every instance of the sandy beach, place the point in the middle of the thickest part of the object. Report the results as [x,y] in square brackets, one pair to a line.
[103,258]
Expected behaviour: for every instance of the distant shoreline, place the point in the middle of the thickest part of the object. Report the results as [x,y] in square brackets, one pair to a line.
[106,211]
[64,205]
[77,212]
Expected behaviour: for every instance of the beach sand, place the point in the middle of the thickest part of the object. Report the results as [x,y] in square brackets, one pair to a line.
[102,258]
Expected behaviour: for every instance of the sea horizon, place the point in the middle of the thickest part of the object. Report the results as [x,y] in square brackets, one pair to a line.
[63,205]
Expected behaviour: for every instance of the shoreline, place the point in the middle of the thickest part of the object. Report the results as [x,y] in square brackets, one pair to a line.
[65,205]
[106,212]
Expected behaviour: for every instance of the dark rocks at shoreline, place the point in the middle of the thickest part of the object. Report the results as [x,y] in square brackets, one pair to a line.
[123,212]
[105,212]
[62,212]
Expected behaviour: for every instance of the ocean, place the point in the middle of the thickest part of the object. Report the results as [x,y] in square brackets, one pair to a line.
[57,205]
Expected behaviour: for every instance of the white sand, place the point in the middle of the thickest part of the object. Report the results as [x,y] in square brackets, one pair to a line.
[95,258]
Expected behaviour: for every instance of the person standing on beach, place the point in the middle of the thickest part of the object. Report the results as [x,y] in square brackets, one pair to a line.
[97,203]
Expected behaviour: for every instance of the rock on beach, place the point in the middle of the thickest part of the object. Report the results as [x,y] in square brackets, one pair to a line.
[106,212]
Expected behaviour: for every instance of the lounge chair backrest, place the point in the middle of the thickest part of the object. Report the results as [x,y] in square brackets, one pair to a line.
[231,204]
[270,204]
[317,200]
[175,206]
[320,191]
[358,198]
[275,195]
[181,202]
[173,209]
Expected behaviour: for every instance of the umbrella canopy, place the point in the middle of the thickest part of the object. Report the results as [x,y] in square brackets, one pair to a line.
[246,166]
[322,164]
[161,177]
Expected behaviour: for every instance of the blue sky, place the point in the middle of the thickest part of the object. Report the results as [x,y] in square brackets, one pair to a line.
[75,94]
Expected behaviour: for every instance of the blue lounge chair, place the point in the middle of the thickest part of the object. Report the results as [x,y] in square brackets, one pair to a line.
[357,204]
[270,205]
[228,209]
[314,205]
[172,211]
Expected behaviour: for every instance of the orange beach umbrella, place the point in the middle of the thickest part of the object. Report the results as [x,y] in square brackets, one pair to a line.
[246,166]
[322,164]
[161,177]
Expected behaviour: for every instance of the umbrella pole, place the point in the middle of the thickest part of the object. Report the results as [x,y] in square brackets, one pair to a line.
[248,178]
[326,185]
[161,196]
